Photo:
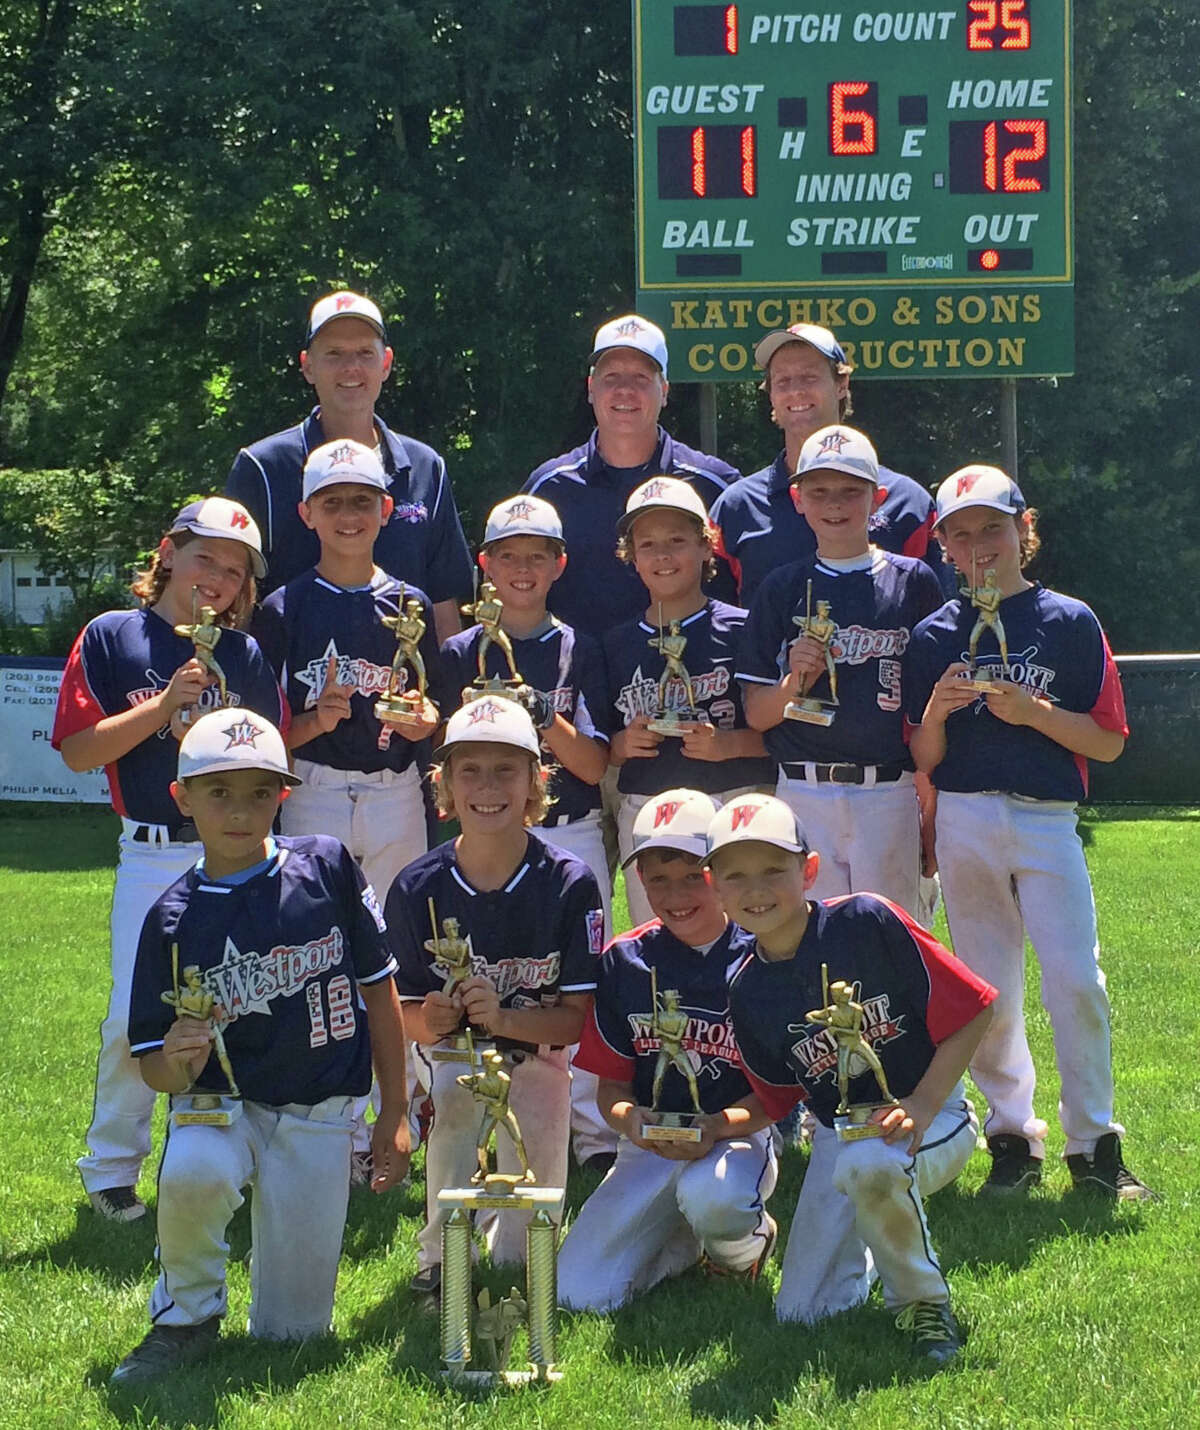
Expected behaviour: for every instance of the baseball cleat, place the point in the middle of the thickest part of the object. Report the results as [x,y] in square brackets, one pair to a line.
[427,1287]
[118,1204]
[932,1326]
[752,1272]
[1105,1171]
[1014,1168]
[165,1349]
[362,1168]
[600,1162]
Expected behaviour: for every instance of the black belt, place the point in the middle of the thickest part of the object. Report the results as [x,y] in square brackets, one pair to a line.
[844,774]
[552,821]
[185,834]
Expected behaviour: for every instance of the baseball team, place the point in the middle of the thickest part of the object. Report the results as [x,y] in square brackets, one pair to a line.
[797,707]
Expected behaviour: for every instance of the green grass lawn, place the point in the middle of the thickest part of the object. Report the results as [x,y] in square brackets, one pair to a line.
[1079,1315]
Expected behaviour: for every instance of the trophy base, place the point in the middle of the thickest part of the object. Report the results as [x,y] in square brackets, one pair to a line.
[811,712]
[459,1050]
[855,1124]
[517,1194]
[205,1109]
[503,1184]
[673,1127]
[670,721]
[982,683]
[399,711]
[490,1379]
[479,687]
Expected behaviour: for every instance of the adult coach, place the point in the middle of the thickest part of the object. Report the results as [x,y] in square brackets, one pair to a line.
[589,486]
[808,382]
[346,360]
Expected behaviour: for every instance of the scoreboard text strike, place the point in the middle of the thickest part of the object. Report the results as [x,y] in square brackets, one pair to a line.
[900,176]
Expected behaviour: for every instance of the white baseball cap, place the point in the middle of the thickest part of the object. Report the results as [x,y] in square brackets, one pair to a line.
[811,333]
[675,819]
[344,304]
[663,493]
[631,331]
[491,719]
[227,521]
[755,819]
[839,449]
[343,460]
[233,739]
[978,485]
[523,516]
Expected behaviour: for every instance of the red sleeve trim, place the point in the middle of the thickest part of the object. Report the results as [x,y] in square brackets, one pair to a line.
[734,564]
[917,543]
[1109,709]
[596,1056]
[956,994]
[78,709]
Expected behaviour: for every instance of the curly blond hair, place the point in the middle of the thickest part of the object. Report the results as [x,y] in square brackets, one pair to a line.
[707,535]
[148,585]
[537,806]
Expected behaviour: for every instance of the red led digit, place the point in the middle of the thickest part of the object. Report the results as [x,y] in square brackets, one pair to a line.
[842,118]
[749,174]
[989,156]
[979,31]
[1014,20]
[731,36]
[699,164]
[1036,129]
[1008,17]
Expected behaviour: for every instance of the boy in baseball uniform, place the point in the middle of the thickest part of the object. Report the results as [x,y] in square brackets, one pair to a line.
[1009,764]
[263,982]
[920,1014]
[659,1038]
[838,624]
[530,916]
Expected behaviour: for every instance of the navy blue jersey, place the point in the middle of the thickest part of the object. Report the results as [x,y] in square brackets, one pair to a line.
[282,953]
[634,668]
[876,609]
[300,626]
[422,543]
[597,591]
[761,529]
[1057,651]
[563,665]
[914,995]
[536,938]
[121,659]
[617,1040]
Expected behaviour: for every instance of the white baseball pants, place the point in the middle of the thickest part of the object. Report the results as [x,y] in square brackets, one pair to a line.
[651,1217]
[1013,866]
[540,1096]
[861,1214]
[119,1137]
[297,1160]
[868,837]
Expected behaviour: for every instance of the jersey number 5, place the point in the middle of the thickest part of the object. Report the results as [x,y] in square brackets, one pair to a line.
[889,677]
[340,1023]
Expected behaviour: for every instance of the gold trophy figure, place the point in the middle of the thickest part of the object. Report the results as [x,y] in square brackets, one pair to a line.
[401,705]
[488,610]
[821,628]
[844,1018]
[671,644]
[204,633]
[193,1000]
[453,953]
[986,600]
[491,1086]
[496,1325]
[668,1023]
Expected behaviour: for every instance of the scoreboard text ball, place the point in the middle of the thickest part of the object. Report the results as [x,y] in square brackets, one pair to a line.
[866,167]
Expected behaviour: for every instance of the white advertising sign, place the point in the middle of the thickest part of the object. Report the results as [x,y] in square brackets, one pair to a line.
[29,768]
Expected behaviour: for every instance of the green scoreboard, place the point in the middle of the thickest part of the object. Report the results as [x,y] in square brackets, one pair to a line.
[900,176]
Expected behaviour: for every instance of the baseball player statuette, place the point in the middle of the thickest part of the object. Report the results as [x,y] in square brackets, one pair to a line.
[204,633]
[821,628]
[488,610]
[494,1326]
[668,1023]
[453,953]
[671,645]
[844,1018]
[402,705]
[193,1000]
[986,600]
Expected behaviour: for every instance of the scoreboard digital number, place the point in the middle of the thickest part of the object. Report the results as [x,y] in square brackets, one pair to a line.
[902,176]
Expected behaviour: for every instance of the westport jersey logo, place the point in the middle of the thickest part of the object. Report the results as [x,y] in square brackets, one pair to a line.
[815,1055]
[707,1039]
[640,695]
[248,982]
[1021,669]
[365,676]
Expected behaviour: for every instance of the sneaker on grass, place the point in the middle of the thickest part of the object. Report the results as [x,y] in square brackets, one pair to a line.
[165,1349]
[1105,1172]
[1015,1170]
[118,1204]
[932,1326]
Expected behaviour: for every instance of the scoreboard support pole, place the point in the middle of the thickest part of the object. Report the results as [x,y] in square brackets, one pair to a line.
[1008,426]
[708,416]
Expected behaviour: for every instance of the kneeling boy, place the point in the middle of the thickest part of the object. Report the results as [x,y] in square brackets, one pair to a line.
[283,940]
[665,1204]
[922,1012]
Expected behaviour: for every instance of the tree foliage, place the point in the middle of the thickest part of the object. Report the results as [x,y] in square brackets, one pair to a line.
[179,180]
